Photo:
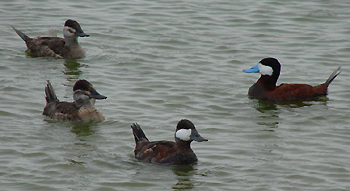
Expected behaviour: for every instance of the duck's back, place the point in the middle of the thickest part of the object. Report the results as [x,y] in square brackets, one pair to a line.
[65,111]
[48,46]
[164,152]
[300,91]
[155,151]
[288,92]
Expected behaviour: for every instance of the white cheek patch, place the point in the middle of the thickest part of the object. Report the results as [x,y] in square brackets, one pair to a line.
[78,96]
[265,70]
[68,31]
[184,134]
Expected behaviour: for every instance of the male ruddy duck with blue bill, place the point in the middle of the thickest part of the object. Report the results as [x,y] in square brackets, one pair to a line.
[67,47]
[81,109]
[168,152]
[265,88]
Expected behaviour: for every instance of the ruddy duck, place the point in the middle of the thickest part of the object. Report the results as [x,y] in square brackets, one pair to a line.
[168,152]
[81,109]
[55,46]
[265,88]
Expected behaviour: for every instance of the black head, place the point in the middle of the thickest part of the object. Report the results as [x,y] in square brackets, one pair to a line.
[86,86]
[185,124]
[274,64]
[75,25]
[186,131]
[82,85]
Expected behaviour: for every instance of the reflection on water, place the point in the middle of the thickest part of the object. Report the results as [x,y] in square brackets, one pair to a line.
[83,129]
[266,107]
[263,106]
[272,109]
[273,124]
[29,54]
[72,69]
[184,173]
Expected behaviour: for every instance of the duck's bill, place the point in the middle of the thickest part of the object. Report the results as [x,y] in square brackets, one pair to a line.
[96,95]
[254,69]
[197,137]
[81,33]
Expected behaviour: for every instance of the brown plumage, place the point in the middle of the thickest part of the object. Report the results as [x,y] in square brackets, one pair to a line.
[168,152]
[265,88]
[81,109]
[55,46]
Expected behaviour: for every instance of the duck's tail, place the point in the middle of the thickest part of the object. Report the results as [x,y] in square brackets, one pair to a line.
[138,133]
[50,93]
[333,76]
[21,34]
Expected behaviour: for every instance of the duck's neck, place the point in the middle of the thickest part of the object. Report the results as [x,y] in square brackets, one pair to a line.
[72,42]
[87,103]
[268,82]
[183,145]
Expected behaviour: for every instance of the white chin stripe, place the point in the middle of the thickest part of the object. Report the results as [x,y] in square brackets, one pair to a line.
[184,134]
[265,70]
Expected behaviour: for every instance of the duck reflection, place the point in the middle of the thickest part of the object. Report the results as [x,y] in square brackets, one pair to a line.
[184,173]
[72,68]
[273,109]
[84,129]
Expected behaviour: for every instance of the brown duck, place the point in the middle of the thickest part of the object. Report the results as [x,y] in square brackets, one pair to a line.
[265,88]
[168,152]
[67,47]
[81,109]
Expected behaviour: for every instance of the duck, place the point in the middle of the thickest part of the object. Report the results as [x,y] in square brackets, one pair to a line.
[67,47]
[81,109]
[265,88]
[168,152]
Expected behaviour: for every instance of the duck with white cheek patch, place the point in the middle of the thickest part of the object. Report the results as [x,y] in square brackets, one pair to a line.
[265,88]
[81,109]
[168,152]
[67,47]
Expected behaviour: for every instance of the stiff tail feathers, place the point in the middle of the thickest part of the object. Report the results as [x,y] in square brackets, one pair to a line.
[333,76]
[138,133]
[21,34]
[50,93]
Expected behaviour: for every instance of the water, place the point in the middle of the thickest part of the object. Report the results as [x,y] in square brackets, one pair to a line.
[161,61]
